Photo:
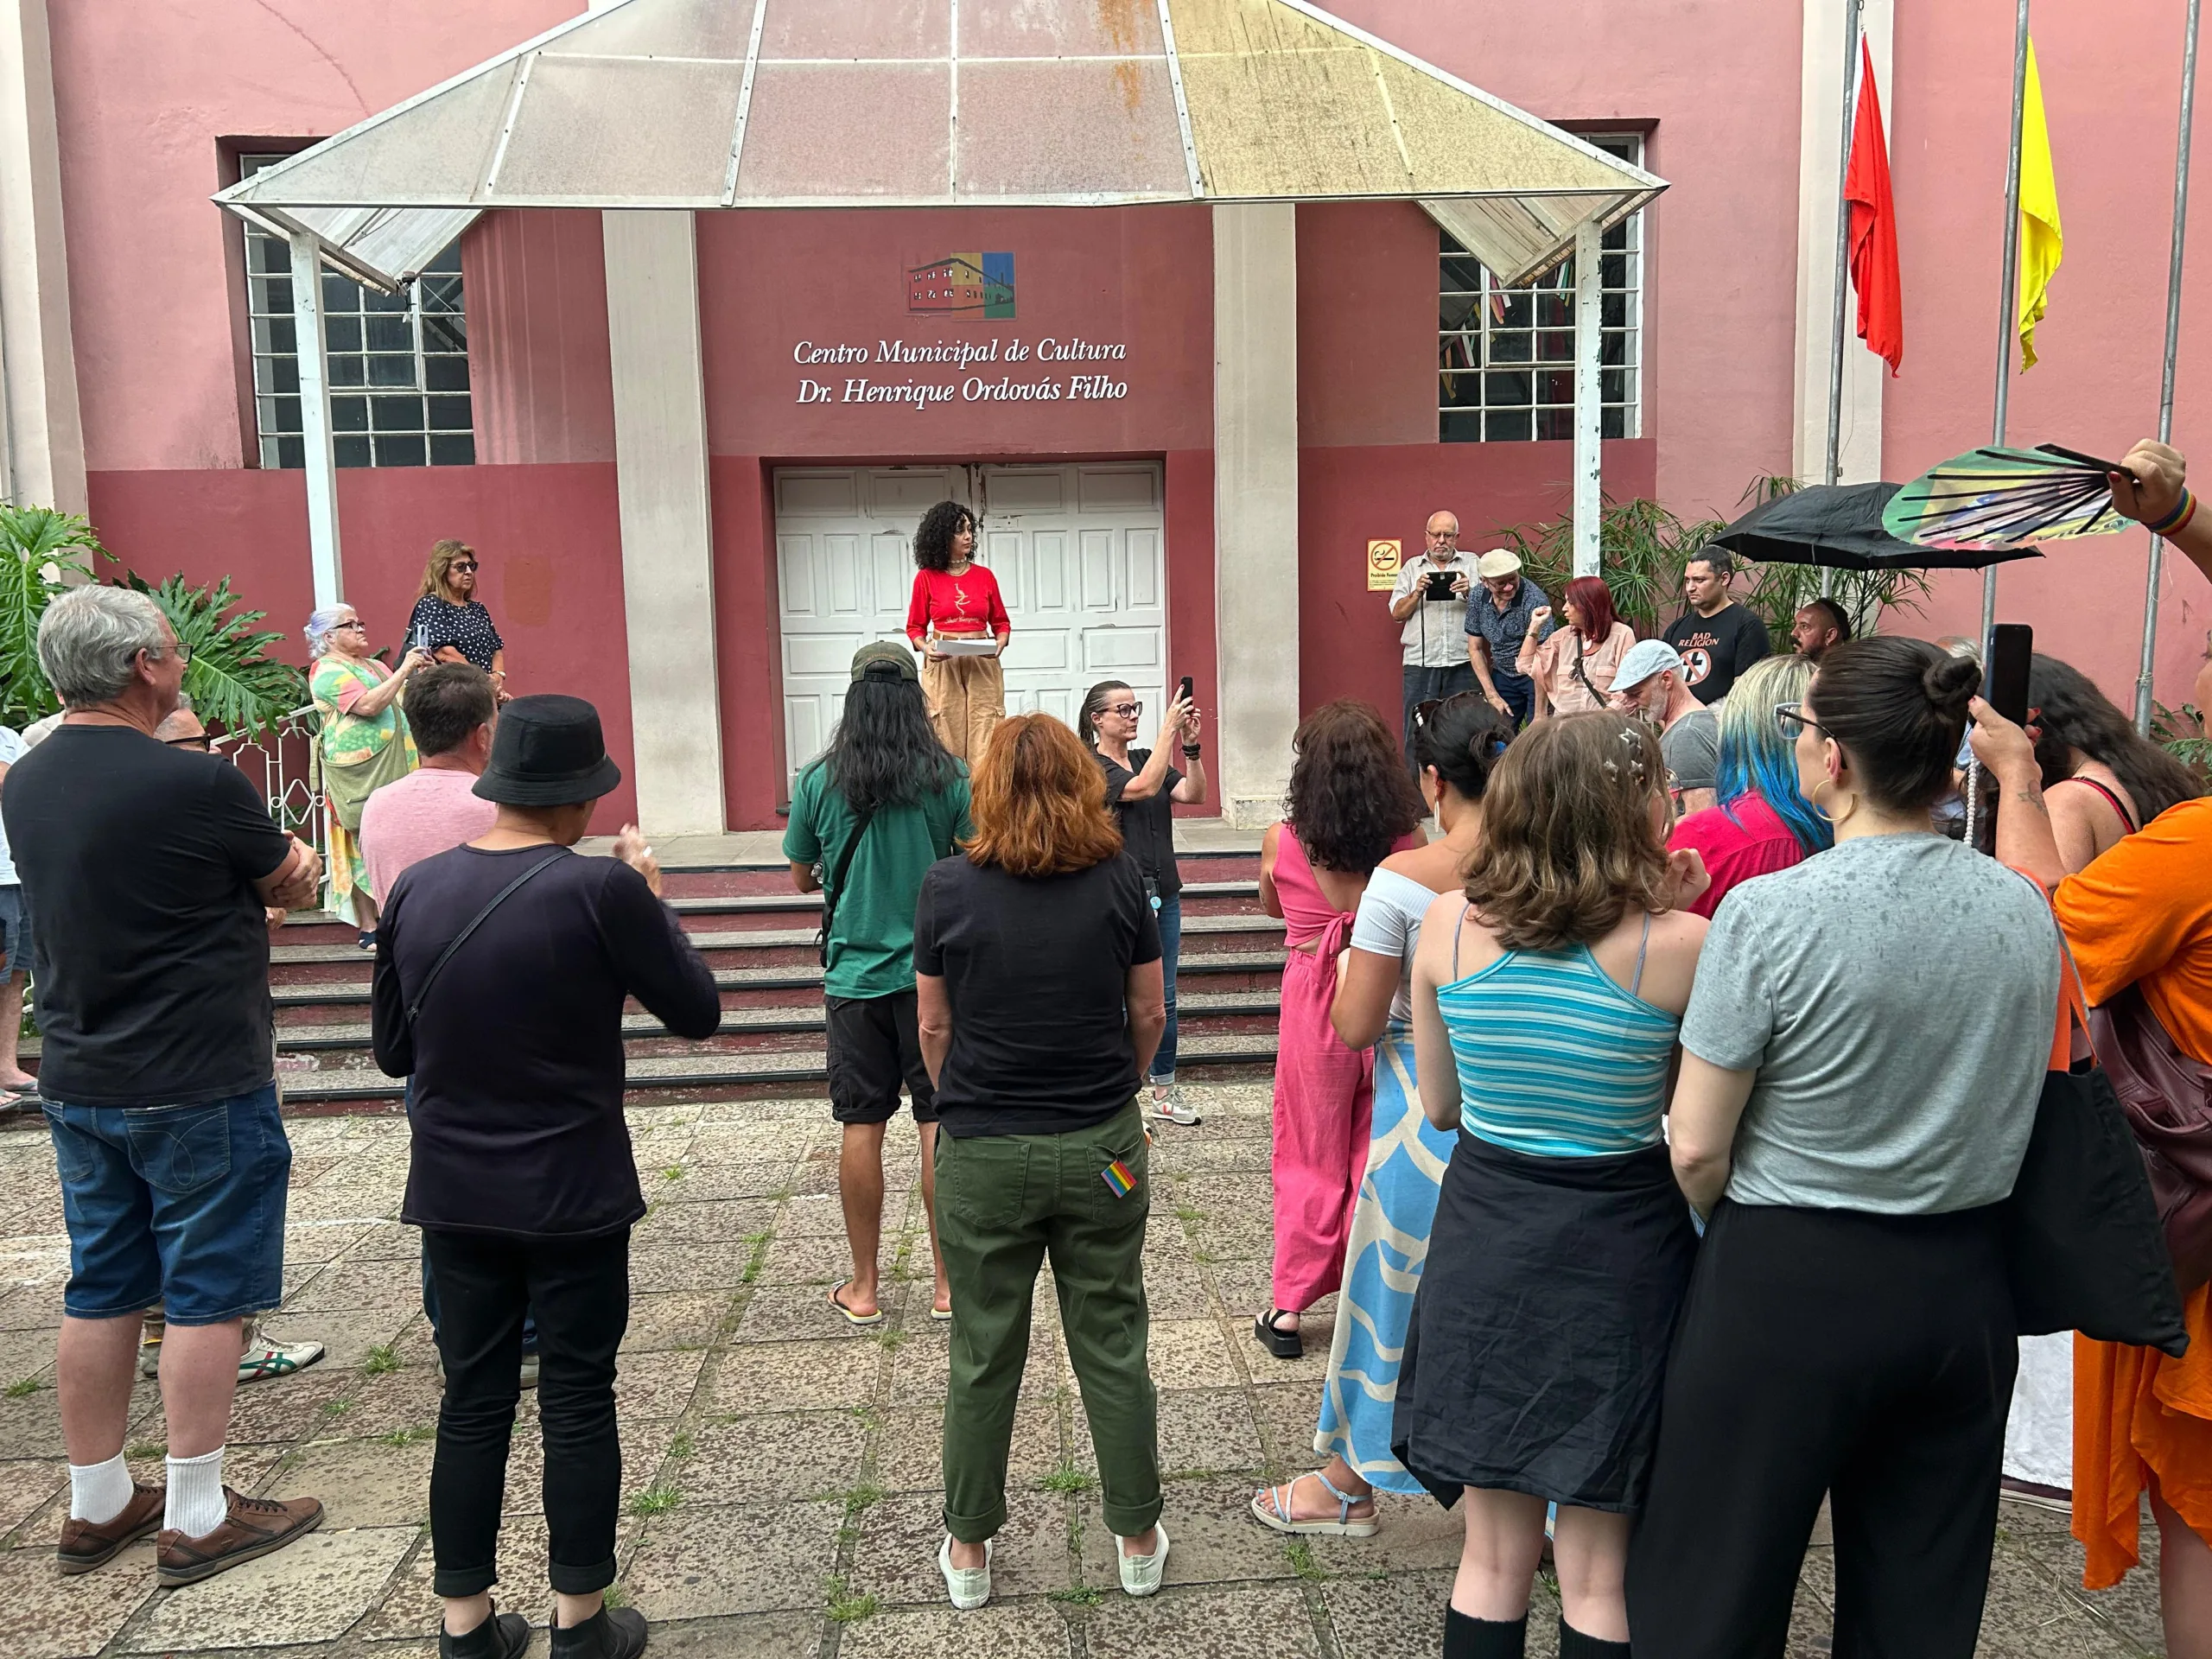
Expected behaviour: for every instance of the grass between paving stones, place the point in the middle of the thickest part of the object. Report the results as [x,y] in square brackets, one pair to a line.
[22,1386]
[842,1605]
[1300,1553]
[414,1436]
[1067,1478]
[657,1499]
[147,1449]
[381,1358]
[1083,1595]
[674,1173]
[759,1241]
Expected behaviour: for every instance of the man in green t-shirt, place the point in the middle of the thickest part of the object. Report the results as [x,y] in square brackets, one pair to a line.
[880,805]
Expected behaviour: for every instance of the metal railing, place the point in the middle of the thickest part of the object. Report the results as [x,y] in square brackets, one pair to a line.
[280,761]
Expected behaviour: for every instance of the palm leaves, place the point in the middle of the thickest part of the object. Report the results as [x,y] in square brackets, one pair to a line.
[40,551]
[233,682]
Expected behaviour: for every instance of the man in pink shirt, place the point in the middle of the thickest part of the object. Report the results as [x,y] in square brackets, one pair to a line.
[451,708]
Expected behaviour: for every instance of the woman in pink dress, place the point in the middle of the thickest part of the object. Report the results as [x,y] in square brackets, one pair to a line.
[1350,806]
[1573,666]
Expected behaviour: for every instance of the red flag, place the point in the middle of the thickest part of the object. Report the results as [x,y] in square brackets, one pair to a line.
[1873,227]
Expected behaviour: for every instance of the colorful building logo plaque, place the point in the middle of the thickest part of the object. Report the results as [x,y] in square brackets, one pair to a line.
[964,285]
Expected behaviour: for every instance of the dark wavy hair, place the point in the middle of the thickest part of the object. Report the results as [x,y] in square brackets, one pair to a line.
[1350,796]
[883,753]
[2072,714]
[1462,739]
[1898,706]
[933,536]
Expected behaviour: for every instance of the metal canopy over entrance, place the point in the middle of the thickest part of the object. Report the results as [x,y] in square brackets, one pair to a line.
[711,103]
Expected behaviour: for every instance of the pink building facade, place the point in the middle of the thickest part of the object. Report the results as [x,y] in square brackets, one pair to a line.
[130,334]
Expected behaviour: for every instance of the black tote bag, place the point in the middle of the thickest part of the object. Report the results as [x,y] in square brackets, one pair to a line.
[2084,1249]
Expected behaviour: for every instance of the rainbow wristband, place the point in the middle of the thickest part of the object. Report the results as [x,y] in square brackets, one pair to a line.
[2178,519]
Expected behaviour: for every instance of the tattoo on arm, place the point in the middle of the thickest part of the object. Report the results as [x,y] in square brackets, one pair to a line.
[2033,797]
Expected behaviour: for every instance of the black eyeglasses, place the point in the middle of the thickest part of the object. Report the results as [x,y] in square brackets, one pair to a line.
[462,564]
[1126,711]
[1789,716]
[203,743]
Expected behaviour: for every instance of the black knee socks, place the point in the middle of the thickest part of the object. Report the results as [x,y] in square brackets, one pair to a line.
[1483,1638]
[1572,1644]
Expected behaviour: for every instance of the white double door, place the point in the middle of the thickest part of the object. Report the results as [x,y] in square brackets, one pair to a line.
[1077,549]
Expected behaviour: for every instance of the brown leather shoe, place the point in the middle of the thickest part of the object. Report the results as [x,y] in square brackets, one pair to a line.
[84,1546]
[254,1528]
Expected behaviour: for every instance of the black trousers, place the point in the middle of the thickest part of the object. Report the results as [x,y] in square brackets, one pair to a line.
[1869,1358]
[579,1290]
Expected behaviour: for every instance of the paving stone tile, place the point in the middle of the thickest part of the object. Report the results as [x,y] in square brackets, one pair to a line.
[287,1408]
[1202,1153]
[695,1266]
[1212,1539]
[703,1182]
[322,1241]
[751,1636]
[44,1616]
[1188,1354]
[909,1456]
[1201,1431]
[811,1216]
[361,1483]
[1261,1622]
[760,1461]
[30,1425]
[645,1448]
[1415,1534]
[1246,1288]
[26,1486]
[1401,1617]
[395,1283]
[2029,1614]
[410,1609]
[386,1240]
[392,1403]
[692,1563]
[311,1591]
[1287,1414]
[659,1384]
[1003,1631]
[669,1319]
[30,1309]
[895,1559]
[679,1219]
[25,1354]
[347,1336]
[821,1258]
[797,1376]
[801,1312]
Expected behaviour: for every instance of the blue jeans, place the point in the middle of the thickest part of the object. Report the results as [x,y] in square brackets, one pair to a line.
[1171,946]
[1420,685]
[180,1207]
[431,1285]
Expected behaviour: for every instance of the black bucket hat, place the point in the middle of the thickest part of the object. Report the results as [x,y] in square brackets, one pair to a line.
[548,751]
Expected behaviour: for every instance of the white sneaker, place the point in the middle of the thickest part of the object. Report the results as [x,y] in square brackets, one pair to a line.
[969,1587]
[1171,1109]
[1141,1574]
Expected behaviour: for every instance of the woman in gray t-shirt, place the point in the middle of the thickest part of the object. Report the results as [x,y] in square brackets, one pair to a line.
[1862,1058]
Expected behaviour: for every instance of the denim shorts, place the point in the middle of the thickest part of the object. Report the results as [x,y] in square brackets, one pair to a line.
[14,930]
[177,1205]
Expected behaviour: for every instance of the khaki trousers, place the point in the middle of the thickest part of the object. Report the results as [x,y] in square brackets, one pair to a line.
[967,696]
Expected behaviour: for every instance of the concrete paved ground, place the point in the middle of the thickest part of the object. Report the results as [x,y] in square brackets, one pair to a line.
[780,1466]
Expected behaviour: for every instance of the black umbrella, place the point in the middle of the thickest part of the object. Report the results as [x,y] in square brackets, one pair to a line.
[1839,525]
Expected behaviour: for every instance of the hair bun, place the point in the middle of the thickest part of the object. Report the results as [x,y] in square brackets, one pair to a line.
[1951,684]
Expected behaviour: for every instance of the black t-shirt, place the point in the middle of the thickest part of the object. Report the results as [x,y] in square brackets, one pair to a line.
[1037,970]
[1715,649]
[1148,826]
[517,1124]
[151,960]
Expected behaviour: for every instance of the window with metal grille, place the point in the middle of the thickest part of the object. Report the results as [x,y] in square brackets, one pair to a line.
[1505,358]
[399,362]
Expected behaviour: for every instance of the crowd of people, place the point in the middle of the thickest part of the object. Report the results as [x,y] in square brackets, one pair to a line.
[1650,1119]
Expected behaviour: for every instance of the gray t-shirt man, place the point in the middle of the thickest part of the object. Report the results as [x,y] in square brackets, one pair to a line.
[1896,996]
[1691,748]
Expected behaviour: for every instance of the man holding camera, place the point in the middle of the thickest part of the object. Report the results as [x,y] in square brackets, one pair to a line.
[1430,599]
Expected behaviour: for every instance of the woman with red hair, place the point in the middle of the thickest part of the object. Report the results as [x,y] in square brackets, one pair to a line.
[1573,668]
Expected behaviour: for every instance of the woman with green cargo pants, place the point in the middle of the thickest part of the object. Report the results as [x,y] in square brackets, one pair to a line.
[1037,970]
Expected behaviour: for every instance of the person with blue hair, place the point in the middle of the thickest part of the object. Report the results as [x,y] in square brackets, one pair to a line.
[1762,822]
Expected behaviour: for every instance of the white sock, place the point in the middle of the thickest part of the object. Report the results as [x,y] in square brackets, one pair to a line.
[99,1491]
[196,1503]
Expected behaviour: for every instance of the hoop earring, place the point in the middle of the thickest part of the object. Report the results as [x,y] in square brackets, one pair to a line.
[1833,820]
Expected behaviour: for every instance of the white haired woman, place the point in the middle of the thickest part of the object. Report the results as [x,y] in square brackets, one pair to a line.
[365,744]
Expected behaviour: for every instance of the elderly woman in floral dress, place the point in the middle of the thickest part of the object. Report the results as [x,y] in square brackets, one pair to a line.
[364,745]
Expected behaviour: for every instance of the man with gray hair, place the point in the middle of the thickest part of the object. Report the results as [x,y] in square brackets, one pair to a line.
[157,1076]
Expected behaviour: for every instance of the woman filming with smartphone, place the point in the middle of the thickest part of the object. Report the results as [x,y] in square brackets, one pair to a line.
[1142,786]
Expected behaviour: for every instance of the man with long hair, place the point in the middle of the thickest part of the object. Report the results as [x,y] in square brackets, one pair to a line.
[881,804]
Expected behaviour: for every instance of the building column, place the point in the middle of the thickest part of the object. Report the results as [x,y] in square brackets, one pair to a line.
[668,549]
[1589,401]
[310,350]
[42,434]
[1255,504]
[1819,201]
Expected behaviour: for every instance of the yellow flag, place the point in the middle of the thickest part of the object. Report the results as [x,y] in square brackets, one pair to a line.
[2041,243]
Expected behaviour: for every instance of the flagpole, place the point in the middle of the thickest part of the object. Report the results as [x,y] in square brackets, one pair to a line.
[1835,466]
[2166,373]
[2008,300]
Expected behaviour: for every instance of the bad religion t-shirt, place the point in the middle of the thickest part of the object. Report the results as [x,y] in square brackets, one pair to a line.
[1715,649]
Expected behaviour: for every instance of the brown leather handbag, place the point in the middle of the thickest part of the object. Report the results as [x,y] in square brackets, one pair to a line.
[2168,1099]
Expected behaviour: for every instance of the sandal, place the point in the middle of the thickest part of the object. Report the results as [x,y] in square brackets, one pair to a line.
[1272,1511]
[851,1318]
[1283,1344]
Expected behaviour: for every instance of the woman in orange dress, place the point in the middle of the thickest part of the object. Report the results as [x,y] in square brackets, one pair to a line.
[957,599]
[2140,915]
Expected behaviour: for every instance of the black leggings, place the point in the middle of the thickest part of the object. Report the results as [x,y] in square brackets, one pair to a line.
[579,1292]
[1868,1358]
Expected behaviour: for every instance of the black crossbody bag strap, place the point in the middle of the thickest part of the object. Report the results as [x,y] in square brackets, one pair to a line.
[835,884]
[461,939]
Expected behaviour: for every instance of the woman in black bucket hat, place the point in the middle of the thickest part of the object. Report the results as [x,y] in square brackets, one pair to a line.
[501,971]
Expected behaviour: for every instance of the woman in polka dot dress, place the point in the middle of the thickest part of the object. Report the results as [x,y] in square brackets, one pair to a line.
[450,622]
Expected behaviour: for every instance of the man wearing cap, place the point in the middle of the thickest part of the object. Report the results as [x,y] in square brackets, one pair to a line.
[1431,588]
[869,816]
[1650,681]
[1499,613]
[502,967]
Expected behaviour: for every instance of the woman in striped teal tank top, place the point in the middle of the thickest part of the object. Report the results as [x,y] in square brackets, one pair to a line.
[1546,1002]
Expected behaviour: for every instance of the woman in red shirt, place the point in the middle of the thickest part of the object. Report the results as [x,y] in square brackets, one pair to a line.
[958,622]
[1763,823]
